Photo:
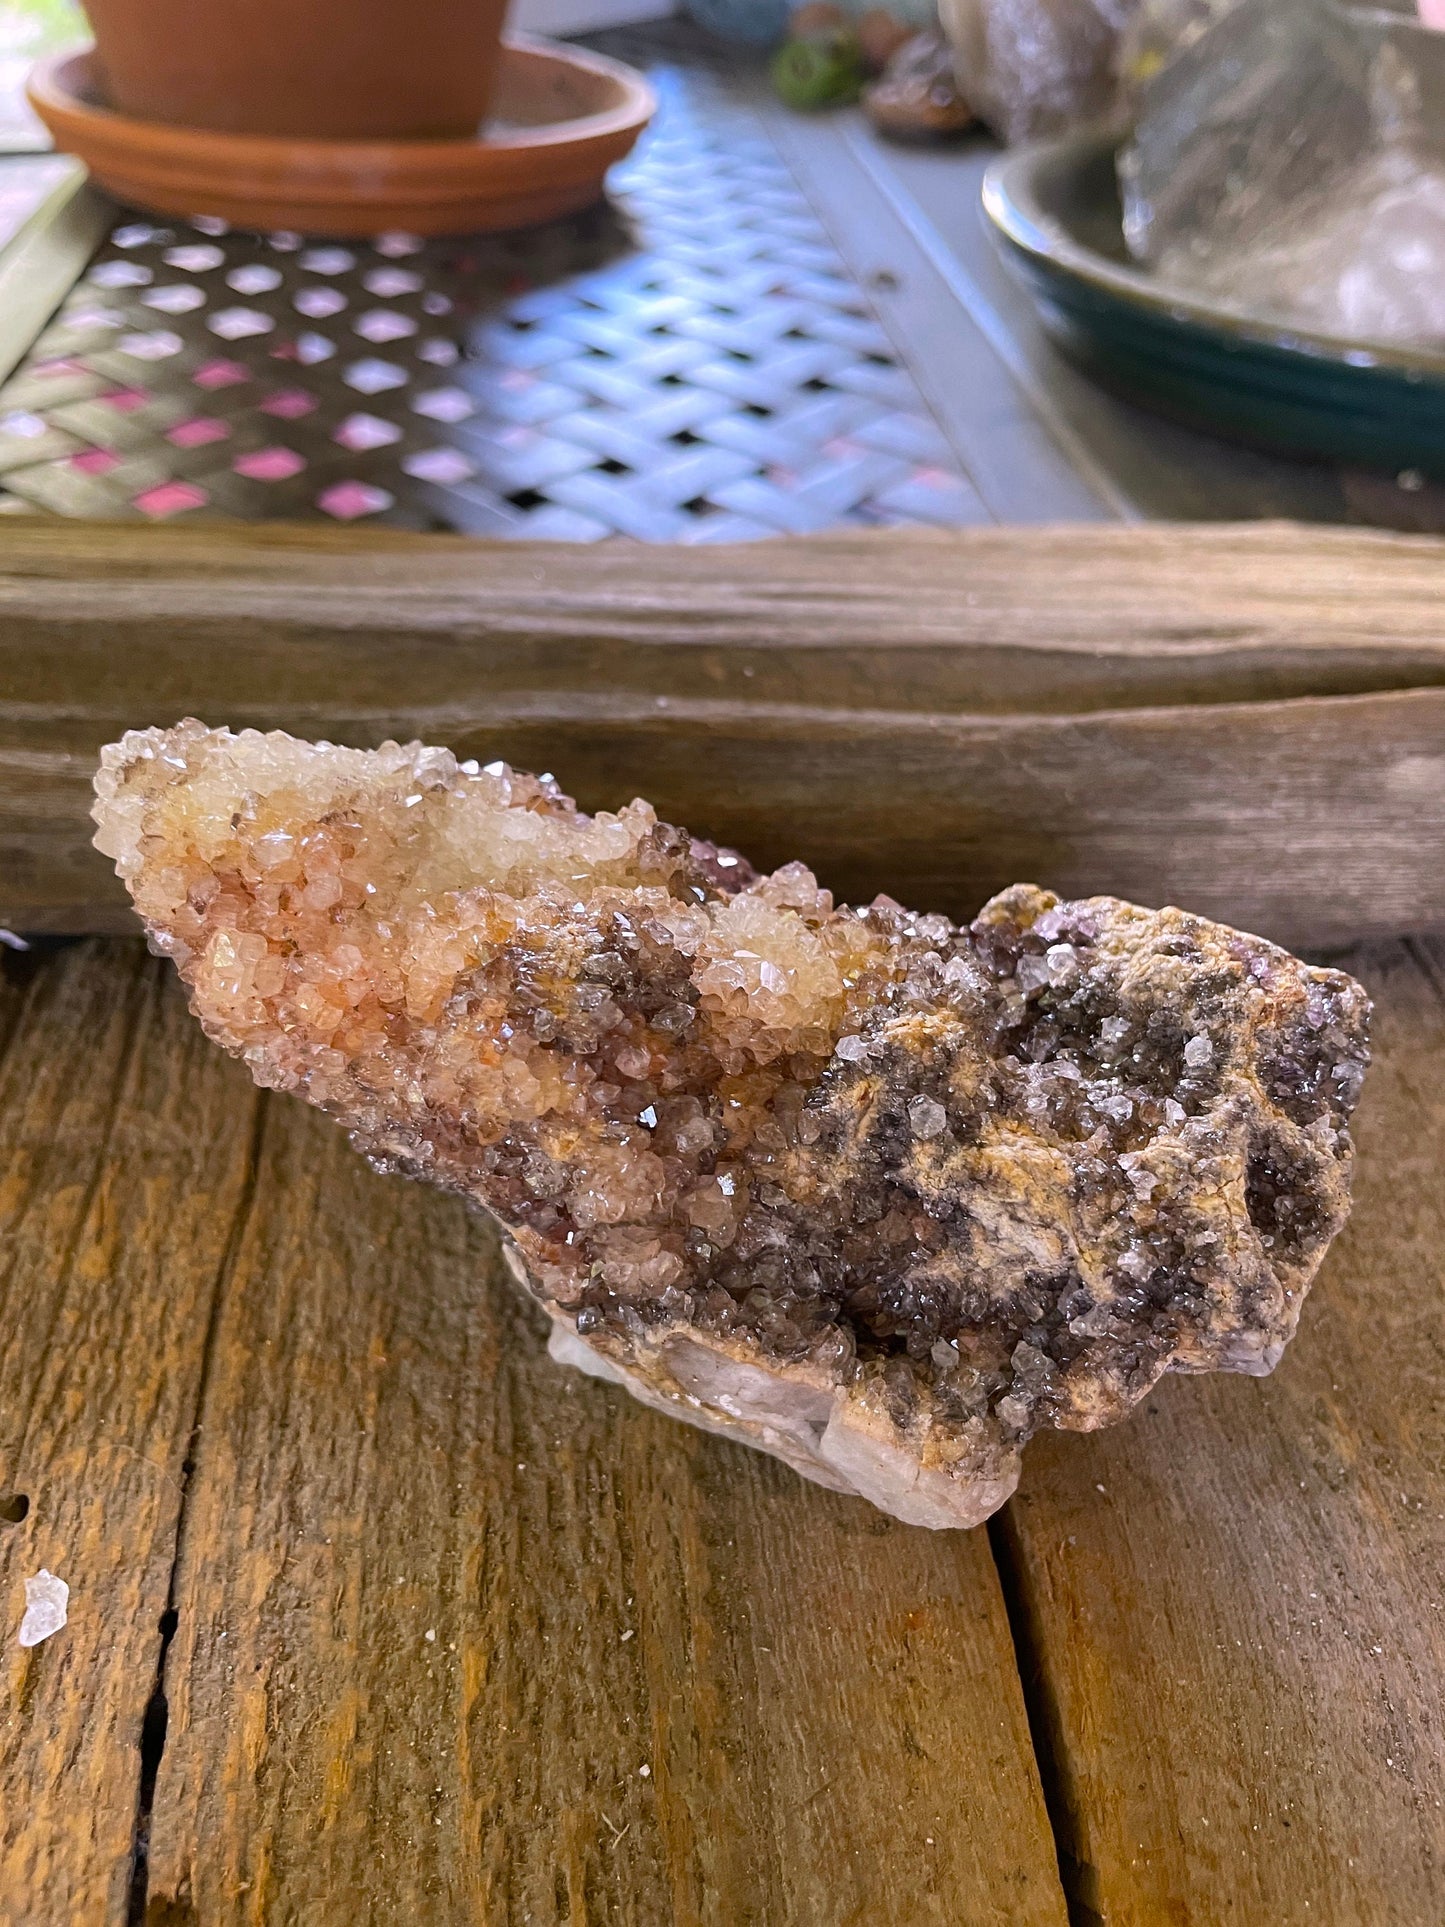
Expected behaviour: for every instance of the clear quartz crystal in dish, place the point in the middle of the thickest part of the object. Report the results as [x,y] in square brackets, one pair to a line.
[1288,163]
[877,1194]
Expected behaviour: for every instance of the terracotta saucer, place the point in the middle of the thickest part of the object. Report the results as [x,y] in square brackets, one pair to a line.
[560,119]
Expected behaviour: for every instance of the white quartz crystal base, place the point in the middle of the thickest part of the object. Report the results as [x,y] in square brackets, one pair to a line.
[814,1428]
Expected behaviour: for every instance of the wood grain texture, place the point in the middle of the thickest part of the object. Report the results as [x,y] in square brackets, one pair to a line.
[1310,822]
[123,1160]
[1244,719]
[463,1637]
[989,619]
[1237,1645]
[1237,1601]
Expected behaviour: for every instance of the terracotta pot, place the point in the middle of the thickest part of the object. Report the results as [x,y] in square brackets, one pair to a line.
[311,69]
[564,116]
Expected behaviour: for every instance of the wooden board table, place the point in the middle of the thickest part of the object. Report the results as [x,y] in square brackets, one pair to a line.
[376,1615]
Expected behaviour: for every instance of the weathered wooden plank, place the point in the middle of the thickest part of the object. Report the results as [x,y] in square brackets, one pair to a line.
[973,620]
[1237,1602]
[1311,822]
[1246,720]
[123,1161]
[465,1638]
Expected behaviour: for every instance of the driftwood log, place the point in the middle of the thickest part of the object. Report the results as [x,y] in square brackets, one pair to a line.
[1249,720]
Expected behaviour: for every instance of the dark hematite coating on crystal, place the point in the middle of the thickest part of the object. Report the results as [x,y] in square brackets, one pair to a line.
[878,1193]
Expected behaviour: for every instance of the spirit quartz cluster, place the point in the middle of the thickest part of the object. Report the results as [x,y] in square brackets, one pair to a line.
[877,1194]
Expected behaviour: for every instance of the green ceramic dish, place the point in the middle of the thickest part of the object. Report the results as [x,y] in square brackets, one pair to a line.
[1054,209]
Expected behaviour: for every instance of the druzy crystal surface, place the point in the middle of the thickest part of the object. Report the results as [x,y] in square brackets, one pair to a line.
[878,1194]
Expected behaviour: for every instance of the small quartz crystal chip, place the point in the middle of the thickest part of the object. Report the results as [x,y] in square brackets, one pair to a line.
[47,1603]
[876,1194]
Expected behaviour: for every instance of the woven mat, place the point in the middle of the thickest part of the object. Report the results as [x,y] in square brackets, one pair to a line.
[691,363]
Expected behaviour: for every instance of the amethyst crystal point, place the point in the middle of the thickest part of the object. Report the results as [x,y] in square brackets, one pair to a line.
[876,1194]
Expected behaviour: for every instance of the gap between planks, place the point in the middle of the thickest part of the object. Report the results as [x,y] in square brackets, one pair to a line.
[1047,1731]
[155,1718]
[1233,1607]
[115,1195]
